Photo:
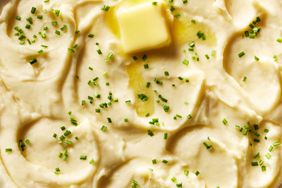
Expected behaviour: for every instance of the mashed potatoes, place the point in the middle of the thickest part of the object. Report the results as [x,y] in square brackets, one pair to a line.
[140,93]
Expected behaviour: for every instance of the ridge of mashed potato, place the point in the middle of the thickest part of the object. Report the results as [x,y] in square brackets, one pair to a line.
[193,102]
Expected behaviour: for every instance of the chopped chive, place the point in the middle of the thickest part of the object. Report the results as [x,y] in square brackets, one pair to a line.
[57,171]
[254,30]
[105,8]
[109,120]
[18,18]
[207,145]
[166,108]
[268,156]
[165,136]
[73,121]
[110,57]
[241,54]
[144,57]
[104,128]
[64,155]
[64,28]
[201,35]
[77,32]
[159,82]
[27,142]
[90,35]
[128,102]
[58,32]
[99,52]
[143,97]
[150,132]
[27,26]
[154,161]
[40,17]
[83,157]
[173,179]
[92,162]
[165,161]
[33,10]
[33,61]
[213,53]
[83,102]
[54,23]
[275,57]
[245,78]
[134,184]
[57,12]
[279,40]
[67,133]
[9,150]
[21,145]
[185,62]
[186,172]
[29,20]
[224,121]
[135,58]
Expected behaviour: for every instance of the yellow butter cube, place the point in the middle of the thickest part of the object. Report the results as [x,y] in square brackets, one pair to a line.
[143,27]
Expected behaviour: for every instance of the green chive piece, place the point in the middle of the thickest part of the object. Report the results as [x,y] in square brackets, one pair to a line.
[33,10]
[241,54]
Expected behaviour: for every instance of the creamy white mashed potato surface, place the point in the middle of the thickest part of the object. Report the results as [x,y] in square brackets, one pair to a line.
[140,93]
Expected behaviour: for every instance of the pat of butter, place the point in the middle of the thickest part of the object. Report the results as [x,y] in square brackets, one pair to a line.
[143,27]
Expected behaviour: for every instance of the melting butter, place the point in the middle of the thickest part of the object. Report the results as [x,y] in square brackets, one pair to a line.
[138,85]
[185,29]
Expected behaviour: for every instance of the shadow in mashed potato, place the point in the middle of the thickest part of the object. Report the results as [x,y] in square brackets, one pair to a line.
[2,4]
